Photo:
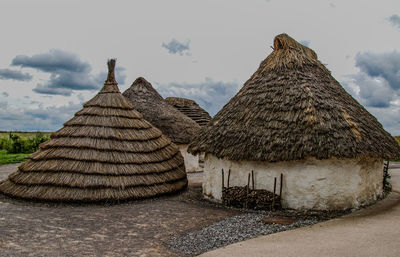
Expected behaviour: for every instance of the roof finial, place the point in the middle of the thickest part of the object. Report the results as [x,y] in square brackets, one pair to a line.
[111,75]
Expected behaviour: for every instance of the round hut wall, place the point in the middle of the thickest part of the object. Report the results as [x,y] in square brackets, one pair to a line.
[330,184]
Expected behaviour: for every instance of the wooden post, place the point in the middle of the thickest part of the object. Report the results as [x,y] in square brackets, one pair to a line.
[273,198]
[247,195]
[280,188]
[229,176]
[223,180]
[252,179]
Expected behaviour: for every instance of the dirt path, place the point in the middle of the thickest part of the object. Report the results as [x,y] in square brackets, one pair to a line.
[140,228]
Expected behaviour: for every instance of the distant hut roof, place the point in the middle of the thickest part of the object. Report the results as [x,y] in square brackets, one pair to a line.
[292,108]
[177,126]
[191,109]
[106,152]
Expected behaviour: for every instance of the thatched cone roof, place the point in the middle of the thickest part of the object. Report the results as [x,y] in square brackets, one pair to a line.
[191,109]
[106,152]
[292,108]
[177,126]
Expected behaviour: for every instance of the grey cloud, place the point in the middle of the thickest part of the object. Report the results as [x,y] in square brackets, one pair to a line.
[48,89]
[385,65]
[3,105]
[14,75]
[176,47]
[54,60]
[44,119]
[378,81]
[374,92]
[211,95]
[389,117]
[64,82]
[377,87]
[67,72]
[5,94]
[395,20]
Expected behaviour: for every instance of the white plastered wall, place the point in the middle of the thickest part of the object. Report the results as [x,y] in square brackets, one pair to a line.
[191,161]
[307,184]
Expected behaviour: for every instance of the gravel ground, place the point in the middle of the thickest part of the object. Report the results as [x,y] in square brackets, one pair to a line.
[232,230]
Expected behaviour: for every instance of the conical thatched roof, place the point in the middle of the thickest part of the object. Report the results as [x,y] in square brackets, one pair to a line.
[107,152]
[191,109]
[178,127]
[292,108]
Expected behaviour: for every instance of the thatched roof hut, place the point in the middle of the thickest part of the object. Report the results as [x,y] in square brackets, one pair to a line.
[174,124]
[106,152]
[290,113]
[191,109]
[292,108]
[178,127]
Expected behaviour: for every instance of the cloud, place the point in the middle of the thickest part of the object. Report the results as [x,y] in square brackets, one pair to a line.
[67,72]
[389,117]
[3,105]
[384,65]
[54,60]
[210,95]
[377,86]
[5,94]
[395,20]
[176,47]
[373,91]
[29,119]
[14,75]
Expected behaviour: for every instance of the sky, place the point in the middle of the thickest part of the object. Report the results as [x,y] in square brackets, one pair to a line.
[54,53]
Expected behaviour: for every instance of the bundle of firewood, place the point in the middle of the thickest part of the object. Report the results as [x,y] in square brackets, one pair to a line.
[244,197]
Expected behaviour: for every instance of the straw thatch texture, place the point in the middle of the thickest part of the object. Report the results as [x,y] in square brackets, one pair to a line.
[144,98]
[106,152]
[292,108]
[191,109]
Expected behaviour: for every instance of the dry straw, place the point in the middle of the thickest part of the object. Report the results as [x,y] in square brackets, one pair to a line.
[177,126]
[191,109]
[107,152]
[290,109]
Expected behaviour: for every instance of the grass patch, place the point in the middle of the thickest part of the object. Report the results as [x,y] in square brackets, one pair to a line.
[5,134]
[6,158]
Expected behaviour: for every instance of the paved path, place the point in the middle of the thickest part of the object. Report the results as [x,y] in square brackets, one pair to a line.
[137,228]
[374,231]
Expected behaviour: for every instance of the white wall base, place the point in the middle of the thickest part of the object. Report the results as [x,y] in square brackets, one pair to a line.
[307,184]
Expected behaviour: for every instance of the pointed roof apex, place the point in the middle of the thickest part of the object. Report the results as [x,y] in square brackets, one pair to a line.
[288,53]
[110,85]
[140,80]
[174,124]
[142,86]
[111,74]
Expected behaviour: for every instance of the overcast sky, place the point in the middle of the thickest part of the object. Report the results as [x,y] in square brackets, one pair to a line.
[54,53]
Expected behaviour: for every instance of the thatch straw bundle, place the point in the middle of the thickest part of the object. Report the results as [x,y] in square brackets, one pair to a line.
[290,109]
[144,98]
[107,152]
[191,109]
